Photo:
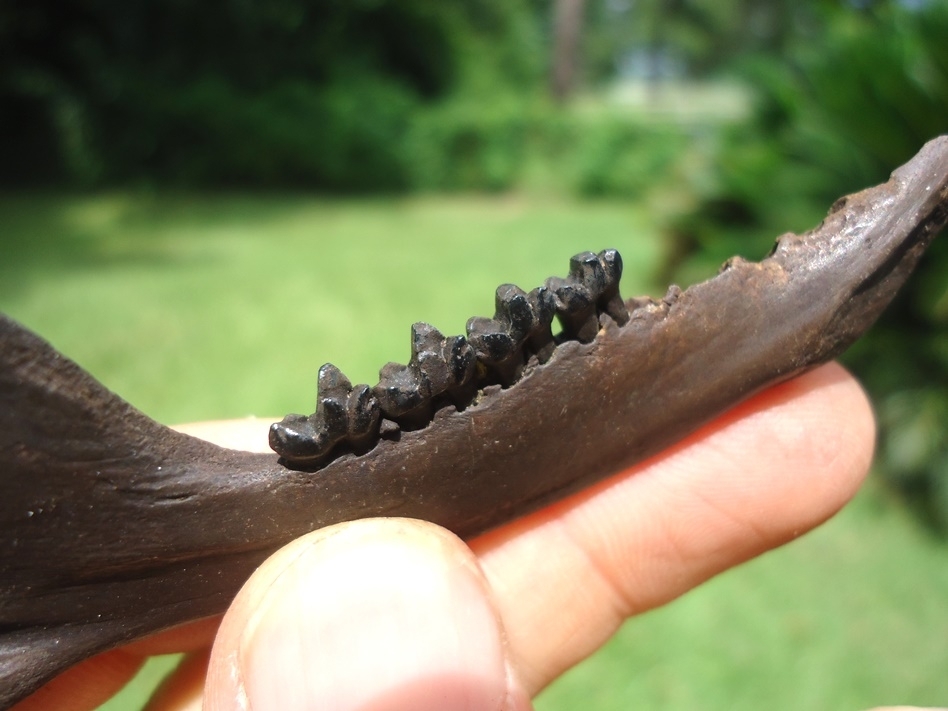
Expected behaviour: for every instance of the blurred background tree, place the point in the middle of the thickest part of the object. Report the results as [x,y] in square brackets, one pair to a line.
[587,97]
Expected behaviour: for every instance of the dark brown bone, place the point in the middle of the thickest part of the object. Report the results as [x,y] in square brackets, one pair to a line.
[115,527]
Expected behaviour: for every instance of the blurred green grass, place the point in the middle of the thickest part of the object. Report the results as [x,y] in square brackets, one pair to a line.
[223,306]
[207,306]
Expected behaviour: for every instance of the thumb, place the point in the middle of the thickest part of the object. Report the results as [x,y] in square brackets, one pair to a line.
[375,615]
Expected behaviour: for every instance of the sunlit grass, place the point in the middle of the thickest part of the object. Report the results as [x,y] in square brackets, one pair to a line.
[221,306]
[852,616]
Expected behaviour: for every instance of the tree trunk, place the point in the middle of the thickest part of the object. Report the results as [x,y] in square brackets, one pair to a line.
[567,28]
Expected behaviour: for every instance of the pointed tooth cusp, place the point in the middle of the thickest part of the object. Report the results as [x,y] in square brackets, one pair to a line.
[587,268]
[513,308]
[611,301]
[540,340]
[428,360]
[442,369]
[575,308]
[461,360]
[330,382]
[364,414]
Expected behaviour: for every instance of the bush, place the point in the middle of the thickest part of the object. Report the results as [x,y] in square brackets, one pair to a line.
[509,141]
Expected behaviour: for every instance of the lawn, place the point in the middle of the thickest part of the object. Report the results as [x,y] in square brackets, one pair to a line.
[195,307]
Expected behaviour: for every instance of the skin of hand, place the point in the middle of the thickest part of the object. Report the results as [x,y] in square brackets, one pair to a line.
[390,614]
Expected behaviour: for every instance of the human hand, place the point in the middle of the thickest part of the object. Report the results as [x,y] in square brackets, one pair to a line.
[387,614]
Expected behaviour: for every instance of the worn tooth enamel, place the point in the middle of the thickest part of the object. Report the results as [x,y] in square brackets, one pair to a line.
[513,308]
[540,340]
[490,340]
[611,301]
[496,349]
[427,358]
[300,438]
[364,414]
[462,366]
[402,394]
[575,308]
[586,267]
[460,357]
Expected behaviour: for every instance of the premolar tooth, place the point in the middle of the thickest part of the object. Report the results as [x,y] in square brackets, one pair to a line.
[462,366]
[427,358]
[363,413]
[540,340]
[311,438]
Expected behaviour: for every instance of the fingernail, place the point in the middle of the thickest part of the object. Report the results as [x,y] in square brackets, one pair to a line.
[378,617]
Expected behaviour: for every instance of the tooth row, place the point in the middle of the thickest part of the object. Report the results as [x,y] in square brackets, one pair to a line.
[450,370]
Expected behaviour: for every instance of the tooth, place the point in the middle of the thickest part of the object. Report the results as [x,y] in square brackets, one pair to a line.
[311,438]
[332,390]
[575,308]
[512,307]
[462,365]
[447,364]
[611,301]
[586,268]
[403,396]
[427,358]
[543,305]
[363,413]
[496,349]
[490,340]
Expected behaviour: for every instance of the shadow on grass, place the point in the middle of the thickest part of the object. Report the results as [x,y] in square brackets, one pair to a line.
[45,236]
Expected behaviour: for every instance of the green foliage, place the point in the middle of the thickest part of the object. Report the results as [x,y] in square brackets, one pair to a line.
[835,115]
[619,156]
[220,93]
[471,143]
[505,141]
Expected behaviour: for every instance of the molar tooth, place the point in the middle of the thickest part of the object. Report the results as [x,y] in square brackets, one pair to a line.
[611,301]
[587,268]
[490,340]
[403,396]
[496,349]
[513,308]
[575,308]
